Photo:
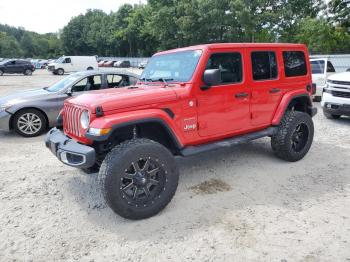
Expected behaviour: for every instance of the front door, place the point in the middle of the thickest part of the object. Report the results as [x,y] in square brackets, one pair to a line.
[224,108]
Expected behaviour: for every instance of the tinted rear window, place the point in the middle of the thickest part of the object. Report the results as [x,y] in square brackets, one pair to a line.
[294,63]
[264,65]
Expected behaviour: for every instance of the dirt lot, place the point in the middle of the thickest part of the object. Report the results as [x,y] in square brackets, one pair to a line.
[236,204]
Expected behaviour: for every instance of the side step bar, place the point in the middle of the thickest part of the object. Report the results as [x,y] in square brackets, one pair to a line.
[193,150]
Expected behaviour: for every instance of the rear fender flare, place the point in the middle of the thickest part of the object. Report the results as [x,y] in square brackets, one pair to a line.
[286,101]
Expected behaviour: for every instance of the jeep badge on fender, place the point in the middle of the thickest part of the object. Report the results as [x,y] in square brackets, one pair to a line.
[238,92]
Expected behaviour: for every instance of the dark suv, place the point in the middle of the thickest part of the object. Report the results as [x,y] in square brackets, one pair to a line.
[16,67]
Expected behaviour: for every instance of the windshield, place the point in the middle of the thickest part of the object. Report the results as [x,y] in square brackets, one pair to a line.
[4,61]
[60,60]
[62,84]
[317,66]
[178,66]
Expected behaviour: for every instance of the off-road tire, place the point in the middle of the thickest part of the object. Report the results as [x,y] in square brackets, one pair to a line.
[282,140]
[115,166]
[330,116]
[35,112]
[28,72]
[1,73]
[60,72]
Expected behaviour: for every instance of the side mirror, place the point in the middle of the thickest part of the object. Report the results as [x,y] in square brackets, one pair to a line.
[69,92]
[211,77]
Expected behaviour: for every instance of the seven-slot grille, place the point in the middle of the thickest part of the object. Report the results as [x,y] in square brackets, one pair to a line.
[71,120]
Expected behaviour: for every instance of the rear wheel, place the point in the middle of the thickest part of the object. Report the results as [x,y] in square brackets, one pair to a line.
[29,123]
[90,68]
[138,178]
[28,72]
[294,136]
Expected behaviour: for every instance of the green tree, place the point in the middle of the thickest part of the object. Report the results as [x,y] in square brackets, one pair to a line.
[340,10]
[9,46]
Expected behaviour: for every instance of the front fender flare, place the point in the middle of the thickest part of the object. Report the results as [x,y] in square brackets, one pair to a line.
[120,120]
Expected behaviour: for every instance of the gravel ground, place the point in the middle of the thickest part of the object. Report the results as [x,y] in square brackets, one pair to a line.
[237,204]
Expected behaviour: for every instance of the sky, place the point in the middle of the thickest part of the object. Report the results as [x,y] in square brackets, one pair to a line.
[45,16]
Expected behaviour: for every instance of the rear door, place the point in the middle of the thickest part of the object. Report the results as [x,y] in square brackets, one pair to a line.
[264,80]
[224,108]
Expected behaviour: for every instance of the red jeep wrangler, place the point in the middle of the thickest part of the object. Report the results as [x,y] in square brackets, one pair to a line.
[188,101]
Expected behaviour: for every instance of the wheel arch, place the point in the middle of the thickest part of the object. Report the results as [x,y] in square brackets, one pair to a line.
[155,129]
[28,108]
[297,102]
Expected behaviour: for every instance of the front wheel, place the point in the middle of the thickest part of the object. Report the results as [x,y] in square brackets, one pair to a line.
[29,123]
[60,71]
[294,136]
[138,178]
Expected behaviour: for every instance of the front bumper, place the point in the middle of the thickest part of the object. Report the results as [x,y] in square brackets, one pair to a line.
[337,109]
[5,121]
[69,151]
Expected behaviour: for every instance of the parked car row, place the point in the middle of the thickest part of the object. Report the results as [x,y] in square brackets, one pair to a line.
[114,63]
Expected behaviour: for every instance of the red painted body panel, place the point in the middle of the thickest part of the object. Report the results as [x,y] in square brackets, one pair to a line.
[202,116]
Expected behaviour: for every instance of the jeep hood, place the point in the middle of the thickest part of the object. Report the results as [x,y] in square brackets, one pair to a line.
[120,98]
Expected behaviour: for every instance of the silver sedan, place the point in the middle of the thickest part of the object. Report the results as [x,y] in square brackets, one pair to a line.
[32,112]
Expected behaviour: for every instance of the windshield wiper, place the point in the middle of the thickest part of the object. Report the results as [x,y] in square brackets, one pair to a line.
[146,79]
[164,80]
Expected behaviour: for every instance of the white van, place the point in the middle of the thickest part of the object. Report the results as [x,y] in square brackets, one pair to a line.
[322,68]
[72,64]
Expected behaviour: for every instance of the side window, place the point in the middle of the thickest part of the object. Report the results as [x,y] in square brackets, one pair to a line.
[264,65]
[330,68]
[294,63]
[113,80]
[133,80]
[229,64]
[80,86]
[88,84]
[67,60]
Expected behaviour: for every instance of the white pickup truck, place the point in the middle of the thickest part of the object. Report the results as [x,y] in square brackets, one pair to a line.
[336,96]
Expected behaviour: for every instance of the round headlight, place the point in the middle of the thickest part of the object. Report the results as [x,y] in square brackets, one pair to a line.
[85,119]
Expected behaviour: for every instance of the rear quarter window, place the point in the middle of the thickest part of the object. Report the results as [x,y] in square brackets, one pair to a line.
[294,63]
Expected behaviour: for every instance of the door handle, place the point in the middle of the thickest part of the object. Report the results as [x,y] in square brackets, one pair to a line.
[241,95]
[274,90]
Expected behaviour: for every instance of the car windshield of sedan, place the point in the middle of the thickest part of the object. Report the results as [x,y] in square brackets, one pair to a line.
[177,66]
[62,84]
